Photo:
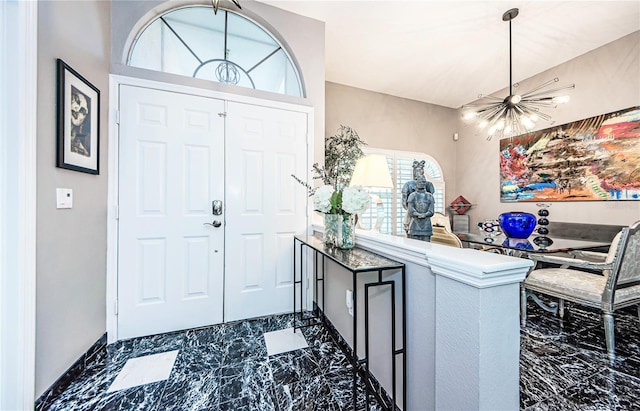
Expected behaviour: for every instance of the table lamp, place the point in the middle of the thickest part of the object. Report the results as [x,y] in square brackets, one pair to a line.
[372,172]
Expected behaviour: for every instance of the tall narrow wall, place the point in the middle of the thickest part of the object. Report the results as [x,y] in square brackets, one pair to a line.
[71,244]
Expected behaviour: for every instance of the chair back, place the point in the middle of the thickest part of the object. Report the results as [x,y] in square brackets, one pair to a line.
[613,248]
[629,271]
[442,236]
[439,219]
[625,256]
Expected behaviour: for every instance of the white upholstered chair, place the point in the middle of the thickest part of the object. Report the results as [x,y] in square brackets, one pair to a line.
[439,219]
[612,284]
[442,236]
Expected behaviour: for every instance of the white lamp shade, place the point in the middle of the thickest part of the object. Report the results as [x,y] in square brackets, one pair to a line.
[372,171]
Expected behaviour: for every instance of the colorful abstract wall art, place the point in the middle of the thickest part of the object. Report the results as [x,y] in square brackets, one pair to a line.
[588,160]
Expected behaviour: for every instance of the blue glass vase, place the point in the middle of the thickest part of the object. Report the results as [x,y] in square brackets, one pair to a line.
[517,224]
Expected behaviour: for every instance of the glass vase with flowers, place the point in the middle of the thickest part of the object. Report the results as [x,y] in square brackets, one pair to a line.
[339,202]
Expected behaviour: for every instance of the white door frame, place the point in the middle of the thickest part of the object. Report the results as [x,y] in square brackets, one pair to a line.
[18,135]
[112,200]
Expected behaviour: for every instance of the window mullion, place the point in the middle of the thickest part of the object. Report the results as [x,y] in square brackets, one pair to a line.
[181,40]
[225,52]
[265,59]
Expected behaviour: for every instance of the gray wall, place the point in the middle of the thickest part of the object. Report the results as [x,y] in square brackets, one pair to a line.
[396,123]
[92,36]
[71,244]
[607,79]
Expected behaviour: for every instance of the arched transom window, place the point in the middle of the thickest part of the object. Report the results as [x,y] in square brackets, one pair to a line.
[224,47]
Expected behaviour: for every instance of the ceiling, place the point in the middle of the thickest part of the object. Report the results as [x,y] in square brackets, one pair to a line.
[449,52]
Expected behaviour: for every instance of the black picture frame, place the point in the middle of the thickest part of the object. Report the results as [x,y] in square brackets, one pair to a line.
[78,121]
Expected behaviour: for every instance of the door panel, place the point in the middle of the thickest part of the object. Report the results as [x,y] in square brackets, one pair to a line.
[267,207]
[151,270]
[171,167]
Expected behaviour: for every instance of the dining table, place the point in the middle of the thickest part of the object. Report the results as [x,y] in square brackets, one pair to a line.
[523,247]
[533,244]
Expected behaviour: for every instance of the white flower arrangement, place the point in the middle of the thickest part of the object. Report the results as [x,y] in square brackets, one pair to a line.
[335,197]
[355,200]
[349,200]
[322,199]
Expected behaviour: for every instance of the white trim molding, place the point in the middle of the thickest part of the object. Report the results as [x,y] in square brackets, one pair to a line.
[477,268]
[468,266]
[472,267]
[112,213]
[18,135]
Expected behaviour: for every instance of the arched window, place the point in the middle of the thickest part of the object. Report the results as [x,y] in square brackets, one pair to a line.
[224,47]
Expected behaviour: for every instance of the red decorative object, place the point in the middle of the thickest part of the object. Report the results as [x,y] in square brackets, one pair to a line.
[460,205]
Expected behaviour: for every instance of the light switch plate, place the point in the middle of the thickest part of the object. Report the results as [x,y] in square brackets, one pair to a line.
[64,198]
[349,301]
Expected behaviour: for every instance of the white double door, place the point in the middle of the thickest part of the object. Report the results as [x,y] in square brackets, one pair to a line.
[178,153]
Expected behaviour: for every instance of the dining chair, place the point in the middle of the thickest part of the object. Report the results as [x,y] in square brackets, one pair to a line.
[608,284]
[439,219]
[442,236]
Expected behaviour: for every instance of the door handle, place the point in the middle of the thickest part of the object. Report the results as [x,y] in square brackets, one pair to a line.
[216,207]
[215,223]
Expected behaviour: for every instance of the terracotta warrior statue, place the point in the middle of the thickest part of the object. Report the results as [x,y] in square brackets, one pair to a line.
[410,186]
[420,209]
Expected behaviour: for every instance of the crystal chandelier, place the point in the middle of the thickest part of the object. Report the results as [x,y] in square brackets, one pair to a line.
[517,113]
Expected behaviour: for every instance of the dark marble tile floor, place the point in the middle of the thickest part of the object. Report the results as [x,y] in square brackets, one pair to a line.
[224,367]
[563,366]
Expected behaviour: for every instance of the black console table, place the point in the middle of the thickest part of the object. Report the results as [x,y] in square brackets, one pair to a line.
[356,261]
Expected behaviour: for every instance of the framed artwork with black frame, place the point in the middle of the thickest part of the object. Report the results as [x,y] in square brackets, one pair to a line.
[78,137]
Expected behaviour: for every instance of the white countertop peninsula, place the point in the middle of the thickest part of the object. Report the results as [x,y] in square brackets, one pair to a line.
[463,328]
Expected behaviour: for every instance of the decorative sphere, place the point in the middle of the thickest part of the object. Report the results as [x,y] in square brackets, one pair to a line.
[543,241]
[490,227]
[517,224]
[519,243]
[543,230]
[543,212]
[543,221]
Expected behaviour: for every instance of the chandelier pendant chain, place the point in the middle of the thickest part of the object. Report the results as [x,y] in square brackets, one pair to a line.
[510,59]
[517,113]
